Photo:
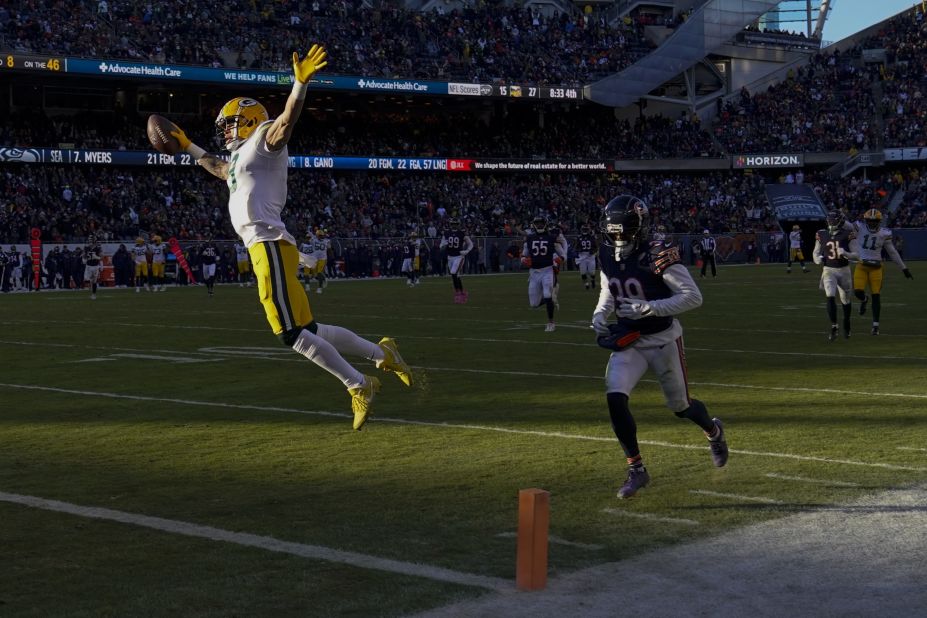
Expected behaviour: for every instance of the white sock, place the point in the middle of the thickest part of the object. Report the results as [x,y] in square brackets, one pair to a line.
[347,342]
[324,354]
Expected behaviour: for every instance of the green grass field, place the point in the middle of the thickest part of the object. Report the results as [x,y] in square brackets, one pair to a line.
[183,407]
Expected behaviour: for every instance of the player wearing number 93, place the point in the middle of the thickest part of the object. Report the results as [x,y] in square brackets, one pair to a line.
[644,285]
[256,175]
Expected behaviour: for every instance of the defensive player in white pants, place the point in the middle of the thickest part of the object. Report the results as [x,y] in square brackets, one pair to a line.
[831,250]
[645,285]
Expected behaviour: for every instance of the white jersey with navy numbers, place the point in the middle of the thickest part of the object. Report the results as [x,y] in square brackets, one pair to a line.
[257,190]
[157,251]
[868,245]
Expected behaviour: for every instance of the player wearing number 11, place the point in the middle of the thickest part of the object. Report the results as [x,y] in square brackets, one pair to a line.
[256,176]
[645,284]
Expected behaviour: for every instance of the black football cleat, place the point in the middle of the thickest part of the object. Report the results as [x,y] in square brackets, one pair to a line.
[833,334]
[862,305]
[875,330]
[718,445]
[637,479]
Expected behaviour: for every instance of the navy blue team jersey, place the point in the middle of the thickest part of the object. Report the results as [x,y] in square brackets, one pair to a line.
[455,243]
[830,243]
[541,248]
[208,254]
[587,243]
[408,250]
[635,279]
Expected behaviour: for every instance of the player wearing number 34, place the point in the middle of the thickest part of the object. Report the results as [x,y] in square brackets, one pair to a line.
[256,175]
[644,285]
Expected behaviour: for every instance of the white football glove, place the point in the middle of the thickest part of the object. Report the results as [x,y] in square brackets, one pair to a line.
[634,309]
[599,324]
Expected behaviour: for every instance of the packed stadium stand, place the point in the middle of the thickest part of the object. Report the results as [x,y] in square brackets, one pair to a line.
[687,160]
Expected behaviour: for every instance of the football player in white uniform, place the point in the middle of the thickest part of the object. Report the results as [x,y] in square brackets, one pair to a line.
[244,264]
[140,253]
[256,175]
[871,238]
[795,252]
[320,255]
[158,250]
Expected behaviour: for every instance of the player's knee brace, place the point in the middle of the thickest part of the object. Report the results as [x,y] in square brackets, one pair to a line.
[698,414]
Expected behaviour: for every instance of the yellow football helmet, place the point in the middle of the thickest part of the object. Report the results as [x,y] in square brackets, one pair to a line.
[156,239]
[139,241]
[873,219]
[241,116]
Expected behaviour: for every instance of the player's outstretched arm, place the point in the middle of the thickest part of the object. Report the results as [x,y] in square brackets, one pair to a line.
[282,128]
[211,163]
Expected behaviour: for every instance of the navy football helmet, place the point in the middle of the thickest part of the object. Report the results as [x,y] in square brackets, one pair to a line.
[539,224]
[624,225]
[835,221]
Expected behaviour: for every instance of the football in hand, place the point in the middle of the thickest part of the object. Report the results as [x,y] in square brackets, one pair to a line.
[159,134]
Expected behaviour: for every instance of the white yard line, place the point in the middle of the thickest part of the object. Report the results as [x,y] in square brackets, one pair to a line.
[556,540]
[316,552]
[649,517]
[285,356]
[803,479]
[468,427]
[718,494]
[911,448]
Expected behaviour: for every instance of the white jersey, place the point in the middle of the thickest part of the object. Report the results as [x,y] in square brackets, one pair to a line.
[868,245]
[141,254]
[795,240]
[157,252]
[257,190]
[241,252]
[320,248]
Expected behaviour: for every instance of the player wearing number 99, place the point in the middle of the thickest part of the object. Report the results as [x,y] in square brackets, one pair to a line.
[457,244]
[256,176]
[540,252]
[644,285]
[831,249]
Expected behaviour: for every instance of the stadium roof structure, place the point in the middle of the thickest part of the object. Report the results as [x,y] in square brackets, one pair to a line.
[710,27]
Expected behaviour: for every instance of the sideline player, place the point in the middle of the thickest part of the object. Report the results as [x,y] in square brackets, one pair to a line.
[540,252]
[209,255]
[645,284]
[458,245]
[93,260]
[244,264]
[411,259]
[140,251]
[871,238]
[320,253]
[256,176]
[831,249]
[795,252]
[158,251]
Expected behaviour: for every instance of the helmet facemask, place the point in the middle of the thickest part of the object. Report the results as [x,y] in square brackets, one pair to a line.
[834,221]
[623,225]
[237,120]
[539,224]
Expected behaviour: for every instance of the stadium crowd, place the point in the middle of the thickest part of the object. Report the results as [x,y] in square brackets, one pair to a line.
[445,132]
[481,42]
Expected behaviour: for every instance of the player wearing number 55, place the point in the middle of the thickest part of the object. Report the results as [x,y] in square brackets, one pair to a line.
[256,175]
[644,285]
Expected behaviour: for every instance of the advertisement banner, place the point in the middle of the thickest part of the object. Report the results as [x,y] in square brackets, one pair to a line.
[792,202]
[753,161]
[906,154]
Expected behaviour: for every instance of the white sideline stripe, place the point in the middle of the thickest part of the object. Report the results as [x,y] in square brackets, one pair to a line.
[278,358]
[718,494]
[316,552]
[911,448]
[382,419]
[556,540]
[649,517]
[803,479]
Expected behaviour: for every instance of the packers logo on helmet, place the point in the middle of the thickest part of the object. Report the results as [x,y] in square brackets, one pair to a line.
[873,219]
[238,119]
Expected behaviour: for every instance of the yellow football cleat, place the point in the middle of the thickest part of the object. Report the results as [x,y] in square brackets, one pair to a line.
[362,398]
[392,361]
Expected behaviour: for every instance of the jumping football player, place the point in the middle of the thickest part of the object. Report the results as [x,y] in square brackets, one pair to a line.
[256,176]
[645,285]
